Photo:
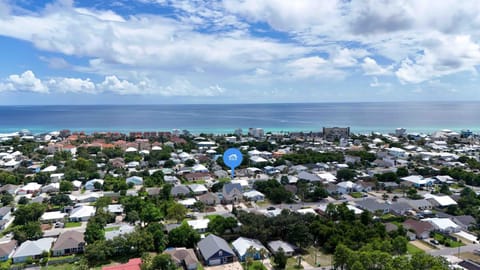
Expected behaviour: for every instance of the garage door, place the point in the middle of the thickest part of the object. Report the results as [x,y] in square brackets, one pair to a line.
[215,262]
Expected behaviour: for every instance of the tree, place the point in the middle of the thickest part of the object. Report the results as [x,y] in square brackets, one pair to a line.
[23,200]
[29,231]
[183,236]
[176,212]
[280,259]
[162,262]
[6,198]
[399,244]
[160,240]
[150,213]
[402,172]
[346,174]
[94,231]
[132,217]
[219,224]
[341,256]
[28,213]
[66,186]
[60,200]
[190,162]
[97,252]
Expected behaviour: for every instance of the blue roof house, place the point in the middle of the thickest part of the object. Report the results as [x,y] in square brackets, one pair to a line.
[215,250]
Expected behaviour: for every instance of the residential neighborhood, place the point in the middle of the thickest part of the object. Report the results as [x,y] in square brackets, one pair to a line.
[298,200]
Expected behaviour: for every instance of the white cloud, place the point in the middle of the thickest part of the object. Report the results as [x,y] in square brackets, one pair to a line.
[75,85]
[312,67]
[376,83]
[370,67]
[27,81]
[442,56]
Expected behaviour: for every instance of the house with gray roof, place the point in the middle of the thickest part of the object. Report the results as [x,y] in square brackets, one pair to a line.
[215,250]
[373,205]
[287,248]
[180,190]
[183,257]
[209,198]
[32,249]
[310,177]
[69,242]
[242,244]
[232,193]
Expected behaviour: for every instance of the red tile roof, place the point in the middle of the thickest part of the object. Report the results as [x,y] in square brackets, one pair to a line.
[132,264]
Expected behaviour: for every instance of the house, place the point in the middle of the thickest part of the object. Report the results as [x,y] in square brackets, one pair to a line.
[6,213]
[254,195]
[32,249]
[197,176]
[12,189]
[188,203]
[179,190]
[232,193]
[82,213]
[443,224]
[200,225]
[7,249]
[50,188]
[400,208]
[135,180]
[29,188]
[373,206]
[276,246]
[347,187]
[132,264]
[209,198]
[440,201]
[198,189]
[124,229]
[90,185]
[183,257]
[116,209]
[56,177]
[418,180]
[242,245]
[52,217]
[69,242]
[171,179]
[421,229]
[309,177]
[418,205]
[199,168]
[215,250]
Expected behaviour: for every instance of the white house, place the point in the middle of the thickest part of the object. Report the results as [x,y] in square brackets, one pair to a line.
[200,225]
[29,188]
[254,195]
[32,249]
[82,213]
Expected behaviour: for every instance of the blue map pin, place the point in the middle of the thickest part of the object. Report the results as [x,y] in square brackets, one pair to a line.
[232,158]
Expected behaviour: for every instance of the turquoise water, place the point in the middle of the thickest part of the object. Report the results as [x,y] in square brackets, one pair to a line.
[221,118]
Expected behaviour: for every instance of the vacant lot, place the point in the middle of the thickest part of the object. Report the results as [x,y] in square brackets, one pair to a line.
[421,245]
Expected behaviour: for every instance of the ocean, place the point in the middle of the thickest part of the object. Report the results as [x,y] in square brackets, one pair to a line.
[384,117]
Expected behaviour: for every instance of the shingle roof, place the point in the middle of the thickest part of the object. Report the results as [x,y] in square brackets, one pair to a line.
[212,244]
[229,187]
[181,255]
[32,248]
[68,239]
[7,248]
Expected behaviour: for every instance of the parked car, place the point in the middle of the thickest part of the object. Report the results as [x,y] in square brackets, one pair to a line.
[435,242]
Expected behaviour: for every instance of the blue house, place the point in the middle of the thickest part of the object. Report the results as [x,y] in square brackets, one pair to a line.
[215,250]
[136,180]
[242,246]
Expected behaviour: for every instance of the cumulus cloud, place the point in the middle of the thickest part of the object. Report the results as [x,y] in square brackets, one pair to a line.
[27,81]
[441,57]
[370,67]
[75,85]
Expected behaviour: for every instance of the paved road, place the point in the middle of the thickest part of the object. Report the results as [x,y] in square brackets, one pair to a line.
[454,251]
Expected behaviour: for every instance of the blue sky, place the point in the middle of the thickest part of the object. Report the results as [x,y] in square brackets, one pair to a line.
[237,51]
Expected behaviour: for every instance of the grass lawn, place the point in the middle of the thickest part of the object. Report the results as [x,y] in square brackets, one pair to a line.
[447,241]
[59,267]
[72,224]
[322,259]
[411,249]
[263,203]
[292,263]
[356,195]
[114,228]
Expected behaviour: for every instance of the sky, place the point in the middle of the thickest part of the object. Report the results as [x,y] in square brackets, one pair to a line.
[237,51]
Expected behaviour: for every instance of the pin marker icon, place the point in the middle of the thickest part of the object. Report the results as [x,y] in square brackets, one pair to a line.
[232,158]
